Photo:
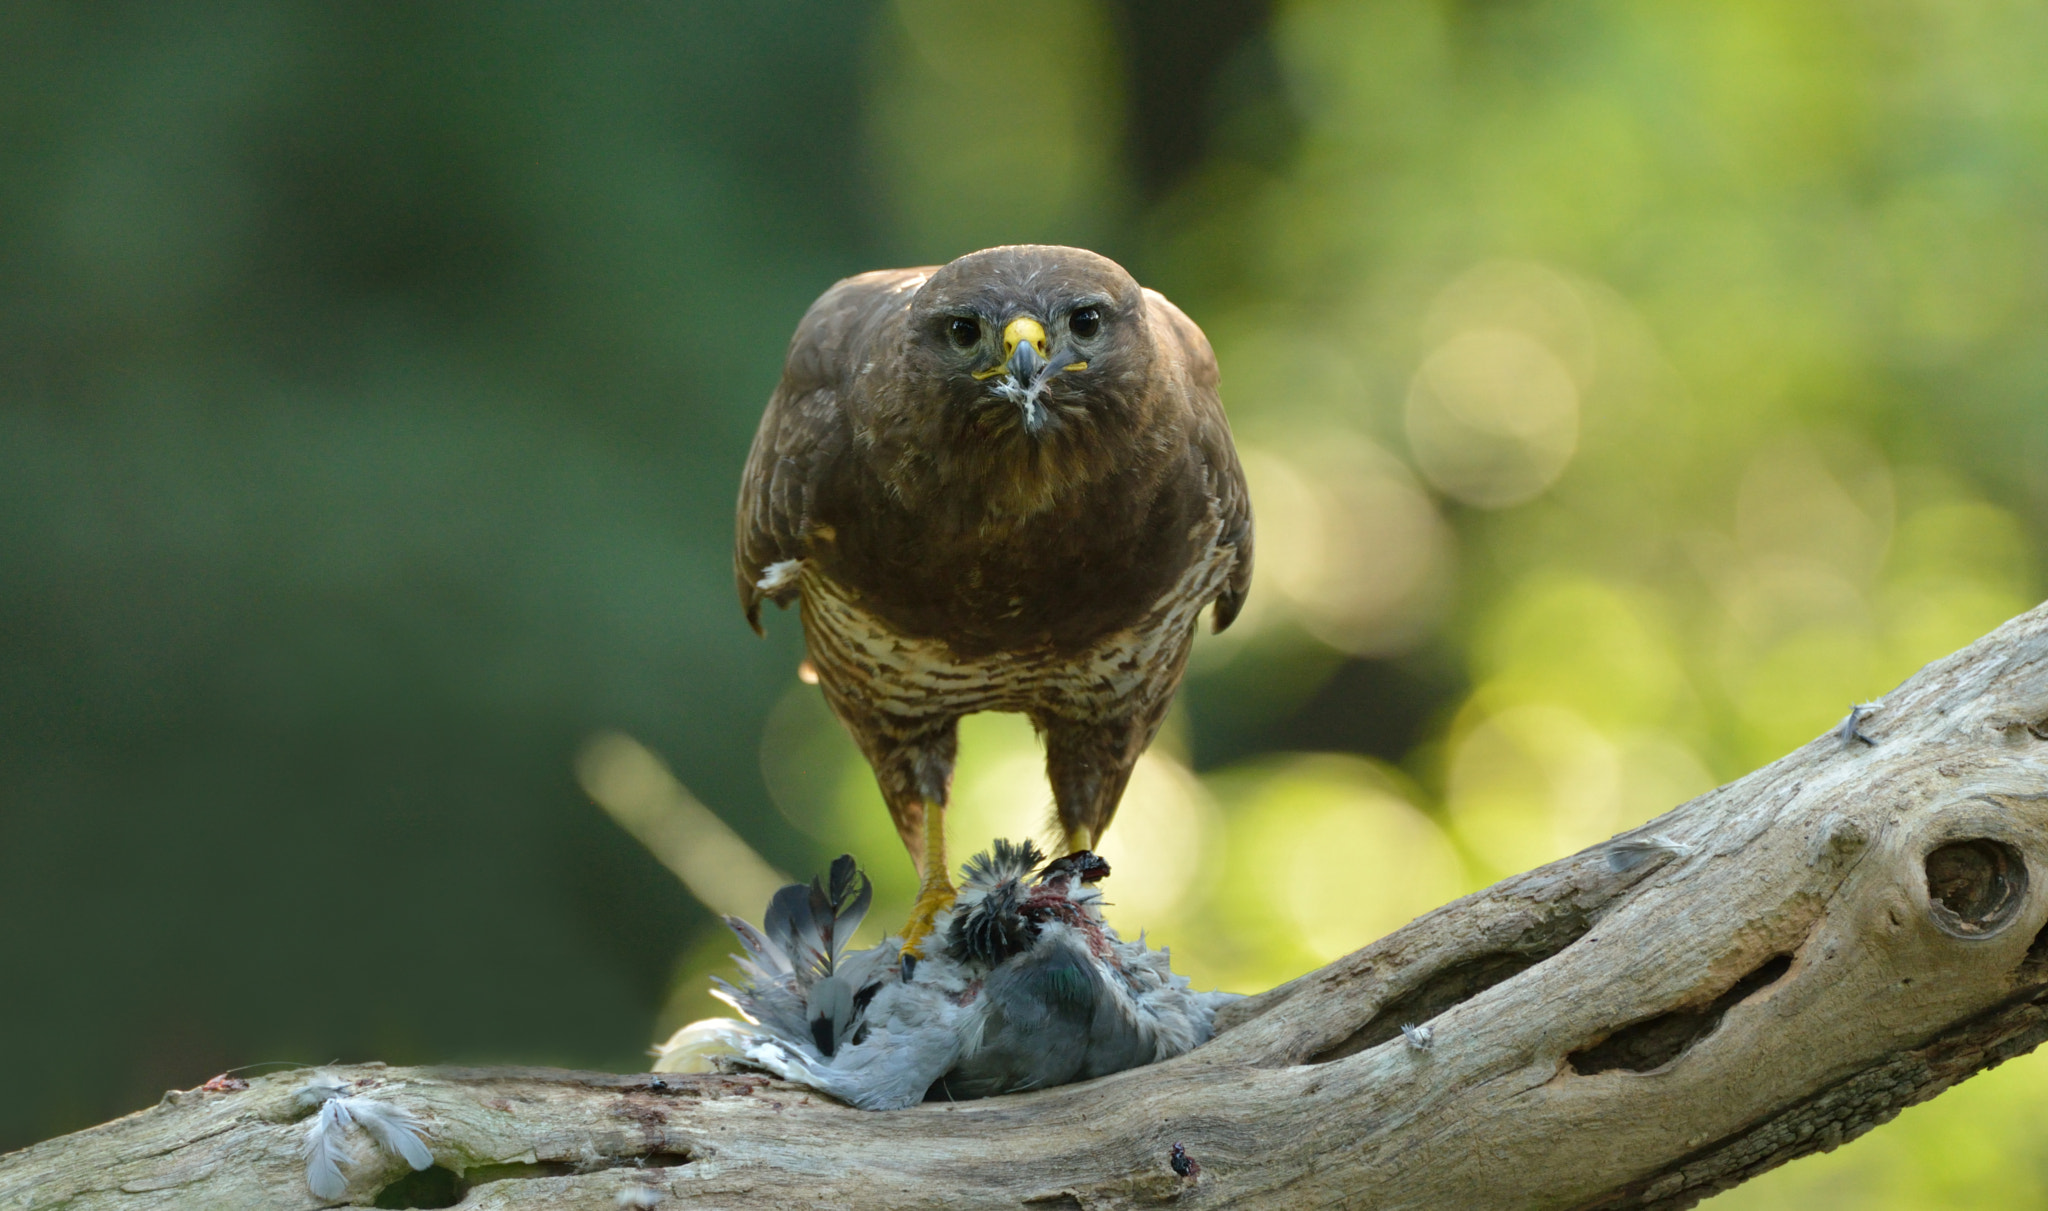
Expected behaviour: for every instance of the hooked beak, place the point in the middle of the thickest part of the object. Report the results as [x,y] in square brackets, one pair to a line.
[1024,351]
[1026,368]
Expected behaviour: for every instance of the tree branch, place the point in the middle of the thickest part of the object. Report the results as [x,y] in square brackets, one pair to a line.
[1767,971]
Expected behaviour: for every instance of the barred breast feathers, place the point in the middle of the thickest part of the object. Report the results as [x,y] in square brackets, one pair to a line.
[909,675]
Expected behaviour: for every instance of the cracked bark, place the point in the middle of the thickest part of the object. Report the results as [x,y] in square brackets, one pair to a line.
[1845,932]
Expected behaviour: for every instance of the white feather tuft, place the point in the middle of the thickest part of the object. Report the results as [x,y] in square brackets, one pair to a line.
[699,1046]
[394,1128]
[326,1148]
[780,575]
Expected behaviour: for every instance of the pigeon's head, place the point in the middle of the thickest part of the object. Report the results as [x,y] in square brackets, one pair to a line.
[1002,909]
[988,924]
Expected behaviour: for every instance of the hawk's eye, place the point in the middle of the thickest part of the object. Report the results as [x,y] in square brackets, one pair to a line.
[1085,322]
[964,332]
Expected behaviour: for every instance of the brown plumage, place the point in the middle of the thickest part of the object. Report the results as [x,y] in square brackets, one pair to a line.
[1002,484]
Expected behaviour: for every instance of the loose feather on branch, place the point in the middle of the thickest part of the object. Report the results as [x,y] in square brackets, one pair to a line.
[394,1129]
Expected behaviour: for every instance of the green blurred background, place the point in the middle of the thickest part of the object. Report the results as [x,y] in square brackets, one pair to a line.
[1625,388]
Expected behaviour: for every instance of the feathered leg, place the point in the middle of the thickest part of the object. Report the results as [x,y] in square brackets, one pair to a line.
[1089,760]
[1089,764]
[913,763]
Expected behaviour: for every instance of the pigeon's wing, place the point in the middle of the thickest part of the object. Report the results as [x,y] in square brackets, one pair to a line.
[805,432]
[1223,473]
[1038,1019]
[912,1037]
[774,1002]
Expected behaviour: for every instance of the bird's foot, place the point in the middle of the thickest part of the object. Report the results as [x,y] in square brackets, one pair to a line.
[933,900]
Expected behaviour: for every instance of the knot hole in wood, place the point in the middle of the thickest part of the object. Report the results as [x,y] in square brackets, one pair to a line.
[1975,887]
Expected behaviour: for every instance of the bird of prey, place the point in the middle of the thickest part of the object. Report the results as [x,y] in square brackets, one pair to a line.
[1026,987]
[1001,484]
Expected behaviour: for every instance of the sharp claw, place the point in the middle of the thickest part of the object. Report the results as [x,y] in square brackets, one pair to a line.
[930,903]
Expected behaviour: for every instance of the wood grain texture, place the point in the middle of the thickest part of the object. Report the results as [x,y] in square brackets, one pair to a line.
[1849,930]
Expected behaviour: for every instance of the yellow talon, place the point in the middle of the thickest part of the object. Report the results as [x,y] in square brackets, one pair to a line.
[937,894]
[930,903]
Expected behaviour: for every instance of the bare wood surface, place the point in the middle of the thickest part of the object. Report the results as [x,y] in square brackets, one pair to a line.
[1847,931]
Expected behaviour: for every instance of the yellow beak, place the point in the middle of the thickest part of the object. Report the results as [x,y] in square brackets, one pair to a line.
[1020,332]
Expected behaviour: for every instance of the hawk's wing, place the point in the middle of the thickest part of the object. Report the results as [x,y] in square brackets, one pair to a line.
[805,429]
[1210,436]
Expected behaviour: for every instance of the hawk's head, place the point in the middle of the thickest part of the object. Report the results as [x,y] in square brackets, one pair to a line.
[1032,342]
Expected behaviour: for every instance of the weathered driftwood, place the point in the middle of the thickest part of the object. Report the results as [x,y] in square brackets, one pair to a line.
[1785,964]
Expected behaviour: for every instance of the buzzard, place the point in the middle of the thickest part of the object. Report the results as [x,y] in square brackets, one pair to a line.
[1001,484]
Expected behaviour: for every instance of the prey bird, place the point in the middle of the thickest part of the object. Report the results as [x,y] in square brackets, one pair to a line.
[1001,484]
[1026,987]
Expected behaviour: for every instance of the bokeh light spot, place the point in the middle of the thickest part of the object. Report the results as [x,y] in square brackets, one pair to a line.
[1493,417]
[1346,858]
[1350,543]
